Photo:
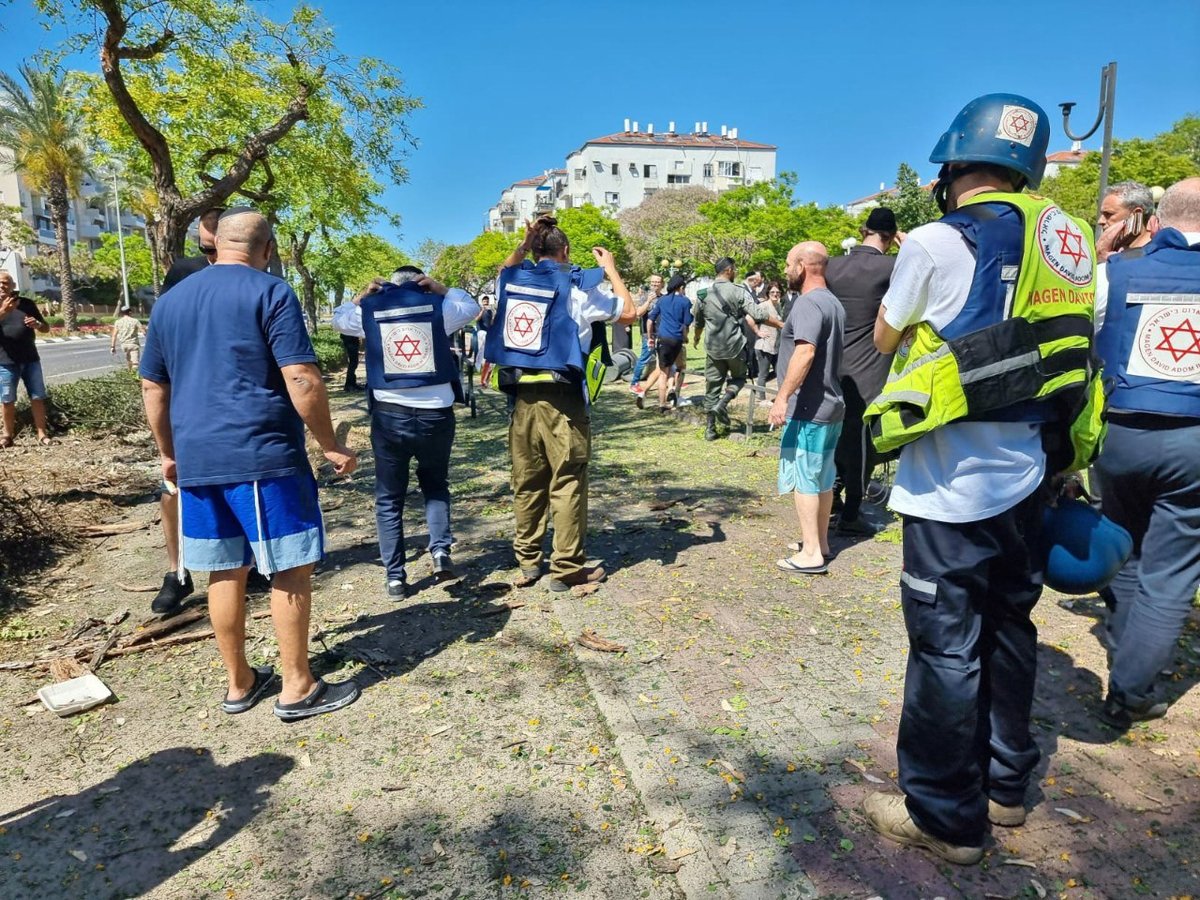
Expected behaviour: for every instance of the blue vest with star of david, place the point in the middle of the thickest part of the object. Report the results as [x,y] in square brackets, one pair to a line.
[406,341]
[533,329]
[1150,340]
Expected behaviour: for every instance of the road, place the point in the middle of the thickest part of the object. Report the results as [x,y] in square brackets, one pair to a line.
[73,360]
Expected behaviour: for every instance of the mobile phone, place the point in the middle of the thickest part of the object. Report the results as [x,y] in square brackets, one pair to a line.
[1135,224]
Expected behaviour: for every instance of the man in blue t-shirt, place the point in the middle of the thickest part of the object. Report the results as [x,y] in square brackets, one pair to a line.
[668,328]
[230,380]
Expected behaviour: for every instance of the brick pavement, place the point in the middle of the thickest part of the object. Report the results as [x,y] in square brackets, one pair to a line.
[755,710]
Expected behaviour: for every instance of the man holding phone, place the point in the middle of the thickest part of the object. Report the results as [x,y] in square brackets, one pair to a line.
[1124,218]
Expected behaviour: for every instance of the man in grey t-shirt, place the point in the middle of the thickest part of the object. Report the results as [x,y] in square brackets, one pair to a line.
[809,404]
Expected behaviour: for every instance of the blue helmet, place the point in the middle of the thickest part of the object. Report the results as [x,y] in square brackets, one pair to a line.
[1003,129]
[1084,550]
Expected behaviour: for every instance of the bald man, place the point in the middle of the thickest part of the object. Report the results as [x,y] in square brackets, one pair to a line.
[229,380]
[809,405]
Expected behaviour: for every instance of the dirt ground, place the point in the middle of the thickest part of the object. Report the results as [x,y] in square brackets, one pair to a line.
[723,755]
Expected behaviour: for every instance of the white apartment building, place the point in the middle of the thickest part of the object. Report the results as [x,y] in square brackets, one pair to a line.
[88,216]
[618,171]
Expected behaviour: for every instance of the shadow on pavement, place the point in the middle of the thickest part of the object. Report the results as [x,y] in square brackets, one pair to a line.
[131,833]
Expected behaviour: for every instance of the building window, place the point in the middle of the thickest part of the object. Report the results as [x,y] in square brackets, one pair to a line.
[681,165]
[612,198]
[708,172]
[616,169]
[580,174]
[731,169]
[679,179]
[599,165]
[650,171]
[633,170]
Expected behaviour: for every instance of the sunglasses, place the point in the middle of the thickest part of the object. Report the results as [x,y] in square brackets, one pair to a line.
[208,251]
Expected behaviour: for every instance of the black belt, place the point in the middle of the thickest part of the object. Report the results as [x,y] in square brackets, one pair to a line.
[389,406]
[1150,421]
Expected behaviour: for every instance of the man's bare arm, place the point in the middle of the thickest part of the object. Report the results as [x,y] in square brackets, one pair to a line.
[156,397]
[309,397]
[887,338]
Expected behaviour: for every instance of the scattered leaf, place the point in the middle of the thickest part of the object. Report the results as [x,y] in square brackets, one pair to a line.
[79,855]
[65,814]
[590,639]
[1070,814]
[1019,862]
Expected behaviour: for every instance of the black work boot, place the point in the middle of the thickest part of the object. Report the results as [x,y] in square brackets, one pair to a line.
[710,431]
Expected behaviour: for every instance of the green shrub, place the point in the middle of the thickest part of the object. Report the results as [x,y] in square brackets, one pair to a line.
[110,403]
[331,355]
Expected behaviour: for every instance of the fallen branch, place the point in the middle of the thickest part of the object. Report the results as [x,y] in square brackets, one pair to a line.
[166,626]
[138,588]
[98,656]
[95,531]
[188,638]
[588,638]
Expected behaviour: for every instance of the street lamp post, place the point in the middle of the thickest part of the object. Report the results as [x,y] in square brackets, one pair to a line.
[120,236]
[1108,97]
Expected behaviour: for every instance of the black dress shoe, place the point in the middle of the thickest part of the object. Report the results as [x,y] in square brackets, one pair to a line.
[443,567]
[397,589]
[1121,716]
[173,592]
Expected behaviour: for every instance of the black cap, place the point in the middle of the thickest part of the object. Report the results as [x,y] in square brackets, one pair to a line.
[882,220]
[722,264]
[676,283]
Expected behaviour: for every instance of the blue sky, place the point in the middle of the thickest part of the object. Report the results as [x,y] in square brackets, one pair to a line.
[846,91]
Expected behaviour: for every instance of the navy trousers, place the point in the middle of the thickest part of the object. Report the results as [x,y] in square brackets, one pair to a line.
[967,590]
[398,436]
[1150,485]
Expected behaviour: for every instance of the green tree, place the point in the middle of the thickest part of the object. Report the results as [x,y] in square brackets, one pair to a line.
[913,205]
[427,252]
[207,89]
[139,261]
[473,265]
[758,224]
[588,226]
[346,264]
[1159,161]
[45,135]
[15,234]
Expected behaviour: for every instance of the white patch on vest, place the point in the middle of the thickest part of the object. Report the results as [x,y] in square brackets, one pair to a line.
[1065,248]
[1017,124]
[407,348]
[523,323]
[1167,343]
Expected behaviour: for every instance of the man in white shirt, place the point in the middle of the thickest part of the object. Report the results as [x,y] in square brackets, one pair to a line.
[412,423]
[968,493]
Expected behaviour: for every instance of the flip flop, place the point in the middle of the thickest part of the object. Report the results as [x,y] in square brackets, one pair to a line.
[324,698]
[264,677]
[45,442]
[788,566]
[527,578]
[796,547]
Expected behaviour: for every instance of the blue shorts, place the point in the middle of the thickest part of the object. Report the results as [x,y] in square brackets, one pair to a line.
[806,457]
[30,373]
[221,524]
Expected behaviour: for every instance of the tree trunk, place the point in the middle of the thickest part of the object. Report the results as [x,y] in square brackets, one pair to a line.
[308,284]
[56,199]
[152,240]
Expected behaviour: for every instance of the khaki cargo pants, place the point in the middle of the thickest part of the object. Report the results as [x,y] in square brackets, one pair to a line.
[550,441]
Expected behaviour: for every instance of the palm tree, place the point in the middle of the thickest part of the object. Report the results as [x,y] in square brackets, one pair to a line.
[44,131]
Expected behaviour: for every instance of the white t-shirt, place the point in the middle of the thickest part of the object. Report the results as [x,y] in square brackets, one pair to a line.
[458,311]
[588,307]
[964,471]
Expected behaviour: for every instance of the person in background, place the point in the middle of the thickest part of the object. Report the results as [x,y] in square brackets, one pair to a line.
[127,331]
[206,238]
[859,279]
[766,343]
[1125,218]
[809,405]
[19,360]
[353,346]
[230,380]
[645,304]
[668,323]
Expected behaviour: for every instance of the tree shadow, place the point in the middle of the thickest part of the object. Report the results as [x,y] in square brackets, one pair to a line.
[127,835]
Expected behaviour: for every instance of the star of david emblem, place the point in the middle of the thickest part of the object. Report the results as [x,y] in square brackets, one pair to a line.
[1018,123]
[1168,340]
[409,348]
[1072,243]
[523,324]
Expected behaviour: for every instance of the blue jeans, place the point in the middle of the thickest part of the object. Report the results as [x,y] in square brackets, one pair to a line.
[647,355]
[12,375]
[398,436]
[1150,484]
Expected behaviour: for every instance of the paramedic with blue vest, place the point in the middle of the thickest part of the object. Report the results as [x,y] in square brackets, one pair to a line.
[963,314]
[1149,339]
[542,342]
[413,379]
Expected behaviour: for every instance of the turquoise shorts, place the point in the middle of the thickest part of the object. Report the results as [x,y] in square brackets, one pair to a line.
[806,457]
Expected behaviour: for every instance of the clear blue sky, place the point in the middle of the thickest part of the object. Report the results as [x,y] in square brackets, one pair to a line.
[847,91]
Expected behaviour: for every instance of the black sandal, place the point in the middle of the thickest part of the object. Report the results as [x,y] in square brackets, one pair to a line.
[324,698]
[264,677]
